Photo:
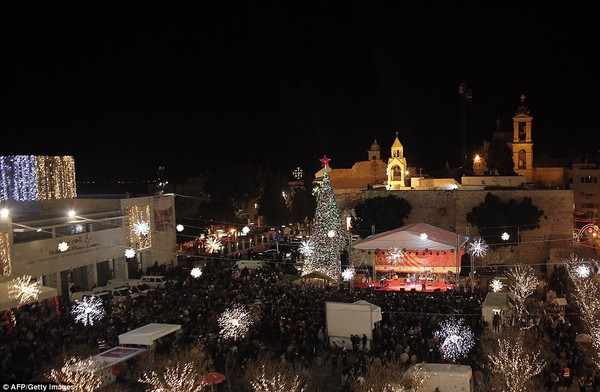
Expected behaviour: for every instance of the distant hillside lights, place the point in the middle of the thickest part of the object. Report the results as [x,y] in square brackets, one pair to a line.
[33,178]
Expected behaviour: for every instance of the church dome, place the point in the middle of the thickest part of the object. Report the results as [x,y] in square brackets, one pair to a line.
[375,146]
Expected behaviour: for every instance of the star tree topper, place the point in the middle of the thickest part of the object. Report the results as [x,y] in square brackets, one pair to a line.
[325,160]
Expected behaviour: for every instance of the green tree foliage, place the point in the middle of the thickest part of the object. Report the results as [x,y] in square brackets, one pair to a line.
[493,217]
[303,203]
[229,190]
[500,159]
[385,213]
[272,204]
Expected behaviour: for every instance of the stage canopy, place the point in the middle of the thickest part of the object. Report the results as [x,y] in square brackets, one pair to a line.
[409,237]
[425,248]
[148,334]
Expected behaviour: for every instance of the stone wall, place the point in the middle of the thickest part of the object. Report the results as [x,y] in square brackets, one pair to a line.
[552,177]
[448,210]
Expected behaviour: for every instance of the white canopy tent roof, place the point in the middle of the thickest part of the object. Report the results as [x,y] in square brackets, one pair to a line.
[409,237]
[148,334]
[7,303]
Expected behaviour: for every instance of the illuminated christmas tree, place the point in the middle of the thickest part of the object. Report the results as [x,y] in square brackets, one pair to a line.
[327,233]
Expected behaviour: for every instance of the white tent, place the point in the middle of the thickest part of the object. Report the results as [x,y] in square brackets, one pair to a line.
[346,319]
[7,303]
[499,302]
[410,237]
[148,334]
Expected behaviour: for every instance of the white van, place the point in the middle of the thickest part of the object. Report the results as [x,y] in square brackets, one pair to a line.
[155,282]
[447,377]
[250,264]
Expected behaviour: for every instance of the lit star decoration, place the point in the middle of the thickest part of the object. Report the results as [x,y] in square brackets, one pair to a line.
[196,272]
[348,274]
[496,285]
[331,233]
[423,236]
[23,289]
[63,246]
[179,227]
[298,173]
[395,255]
[582,271]
[505,236]
[306,248]
[235,322]
[478,247]
[325,161]
[130,253]
[213,245]
[456,338]
[88,310]
[326,257]
[141,228]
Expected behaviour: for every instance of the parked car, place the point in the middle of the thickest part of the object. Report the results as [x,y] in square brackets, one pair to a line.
[80,295]
[155,282]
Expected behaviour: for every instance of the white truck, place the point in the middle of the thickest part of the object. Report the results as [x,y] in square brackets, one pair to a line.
[447,377]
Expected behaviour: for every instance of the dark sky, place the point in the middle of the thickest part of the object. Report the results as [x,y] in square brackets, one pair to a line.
[127,86]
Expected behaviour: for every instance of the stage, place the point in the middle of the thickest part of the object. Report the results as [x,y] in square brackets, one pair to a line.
[401,285]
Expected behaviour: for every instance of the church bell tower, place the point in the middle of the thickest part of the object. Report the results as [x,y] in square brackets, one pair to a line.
[522,143]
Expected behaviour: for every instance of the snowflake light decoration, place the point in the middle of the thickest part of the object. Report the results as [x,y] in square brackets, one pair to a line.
[456,338]
[496,285]
[88,310]
[505,236]
[423,236]
[235,322]
[348,274]
[306,248]
[141,228]
[179,227]
[213,245]
[196,272]
[63,246]
[478,247]
[331,233]
[395,255]
[582,271]
[130,253]
[23,289]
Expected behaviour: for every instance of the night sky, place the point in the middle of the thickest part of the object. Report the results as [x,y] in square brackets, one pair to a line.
[128,86]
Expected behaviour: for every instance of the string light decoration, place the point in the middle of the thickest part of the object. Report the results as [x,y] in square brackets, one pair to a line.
[496,285]
[81,375]
[23,289]
[63,246]
[235,322]
[505,236]
[478,247]
[129,253]
[88,310]
[181,377]
[277,378]
[523,283]
[213,245]
[32,178]
[139,234]
[326,257]
[456,338]
[395,255]
[5,261]
[586,293]
[515,365]
[348,274]
[306,248]
[196,272]
[392,377]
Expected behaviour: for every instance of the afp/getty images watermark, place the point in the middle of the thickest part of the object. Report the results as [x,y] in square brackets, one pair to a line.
[36,386]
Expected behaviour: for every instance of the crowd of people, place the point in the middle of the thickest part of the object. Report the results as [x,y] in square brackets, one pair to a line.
[290,323]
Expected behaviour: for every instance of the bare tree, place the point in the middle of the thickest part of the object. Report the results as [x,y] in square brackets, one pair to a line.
[524,283]
[268,374]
